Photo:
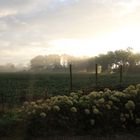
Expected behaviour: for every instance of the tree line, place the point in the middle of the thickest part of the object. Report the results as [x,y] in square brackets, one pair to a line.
[108,62]
[58,63]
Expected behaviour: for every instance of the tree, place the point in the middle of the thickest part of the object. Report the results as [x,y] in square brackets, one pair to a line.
[38,63]
[112,60]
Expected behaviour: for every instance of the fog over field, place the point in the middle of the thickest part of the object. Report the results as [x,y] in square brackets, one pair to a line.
[75,27]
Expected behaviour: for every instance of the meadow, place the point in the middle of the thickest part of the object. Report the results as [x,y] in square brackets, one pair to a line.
[104,114]
[17,87]
[63,109]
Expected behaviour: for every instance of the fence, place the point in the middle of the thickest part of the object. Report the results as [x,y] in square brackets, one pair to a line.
[59,85]
[97,75]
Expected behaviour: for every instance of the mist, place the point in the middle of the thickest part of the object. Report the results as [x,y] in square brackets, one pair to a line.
[108,62]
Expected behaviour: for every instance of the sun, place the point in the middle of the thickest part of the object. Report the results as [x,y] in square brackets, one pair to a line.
[65,45]
[111,41]
[76,47]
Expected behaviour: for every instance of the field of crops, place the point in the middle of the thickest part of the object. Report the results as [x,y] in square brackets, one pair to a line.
[14,87]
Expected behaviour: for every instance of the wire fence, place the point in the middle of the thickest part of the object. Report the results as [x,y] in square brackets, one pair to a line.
[14,93]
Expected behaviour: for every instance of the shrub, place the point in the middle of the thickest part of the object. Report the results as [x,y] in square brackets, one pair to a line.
[84,114]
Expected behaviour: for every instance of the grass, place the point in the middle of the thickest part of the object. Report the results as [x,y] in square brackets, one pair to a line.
[57,83]
[15,86]
[119,137]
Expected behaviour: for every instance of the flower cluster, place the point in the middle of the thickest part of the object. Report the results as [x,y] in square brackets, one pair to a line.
[111,107]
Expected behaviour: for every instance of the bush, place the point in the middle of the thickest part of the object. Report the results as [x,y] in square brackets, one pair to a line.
[8,122]
[95,113]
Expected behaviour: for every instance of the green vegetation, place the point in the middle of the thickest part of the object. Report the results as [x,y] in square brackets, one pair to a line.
[8,121]
[97,113]
[17,87]
[108,62]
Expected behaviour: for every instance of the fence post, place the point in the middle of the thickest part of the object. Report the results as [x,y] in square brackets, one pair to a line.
[121,75]
[96,74]
[70,77]
[2,103]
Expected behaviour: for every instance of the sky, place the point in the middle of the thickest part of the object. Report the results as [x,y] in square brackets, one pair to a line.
[77,27]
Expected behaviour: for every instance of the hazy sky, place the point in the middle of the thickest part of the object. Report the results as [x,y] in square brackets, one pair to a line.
[77,27]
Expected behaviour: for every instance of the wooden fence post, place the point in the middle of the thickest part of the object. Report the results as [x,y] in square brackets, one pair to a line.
[96,74]
[71,87]
[2,103]
[121,74]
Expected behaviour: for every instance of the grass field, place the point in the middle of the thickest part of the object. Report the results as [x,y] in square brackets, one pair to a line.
[14,85]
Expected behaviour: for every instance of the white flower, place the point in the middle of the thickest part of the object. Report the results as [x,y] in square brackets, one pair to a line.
[26,103]
[32,103]
[95,111]
[75,97]
[130,105]
[138,86]
[72,93]
[93,95]
[101,101]
[69,102]
[56,108]
[34,111]
[123,119]
[119,94]
[87,111]
[29,113]
[42,115]
[73,109]
[127,116]
[39,101]
[110,102]
[92,122]
[137,120]
[108,107]
[36,106]
[112,97]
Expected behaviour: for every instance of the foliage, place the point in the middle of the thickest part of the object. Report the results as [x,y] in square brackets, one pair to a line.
[51,63]
[18,87]
[8,121]
[127,58]
[95,113]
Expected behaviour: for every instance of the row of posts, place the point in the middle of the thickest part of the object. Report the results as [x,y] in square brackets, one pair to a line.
[71,82]
[96,75]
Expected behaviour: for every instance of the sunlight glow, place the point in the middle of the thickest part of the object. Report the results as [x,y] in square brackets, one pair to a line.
[121,39]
